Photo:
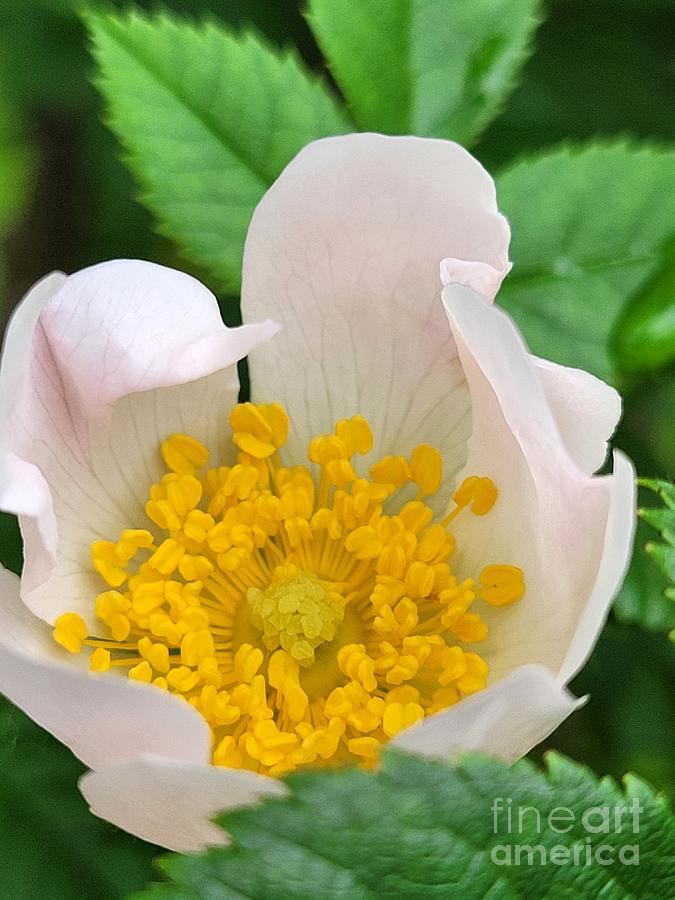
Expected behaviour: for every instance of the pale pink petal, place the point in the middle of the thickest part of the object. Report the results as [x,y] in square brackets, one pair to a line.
[586,411]
[481,277]
[170,803]
[344,250]
[96,374]
[551,519]
[19,628]
[103,719]
[617,549]
[505,720]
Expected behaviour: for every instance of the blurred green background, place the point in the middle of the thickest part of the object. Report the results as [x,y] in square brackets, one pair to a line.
[66,201]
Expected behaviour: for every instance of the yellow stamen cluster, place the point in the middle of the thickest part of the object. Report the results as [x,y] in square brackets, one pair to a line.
[303,611]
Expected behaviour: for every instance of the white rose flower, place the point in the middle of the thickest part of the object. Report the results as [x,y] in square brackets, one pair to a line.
[400,538]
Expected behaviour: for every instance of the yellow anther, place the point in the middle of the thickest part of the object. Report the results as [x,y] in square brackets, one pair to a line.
[110,604]
[240,481]
[481,493]
[355,434]
[184,494]
[99,661]
[148,597]
[195,568]
[210,672]
[426,468]
[156,654]
[247,661]
[276,418]
[469,628]
[161,626]
[131,541]
[398,716]
[419,580]
[70,631]
[193,618]
[166,557]
[259,430]
[227,754]
[325,447]
[404,669]
[182,679]
[141,672]
[247,418]
[365,747]
[364,542]
[107,563]
[501,585]
[391,470]
[162,514]
[196,646]
[476,675]
[338,704]
[357,665]
[340,472]
[252,445]
[399,621]
[120,627]
[184,454]
[415,516]
[435,544]
[455,665]
[197,525]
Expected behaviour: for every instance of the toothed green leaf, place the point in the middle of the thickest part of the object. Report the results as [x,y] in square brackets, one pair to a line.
[419,829]
[423,66]
[208,120]
[588,225]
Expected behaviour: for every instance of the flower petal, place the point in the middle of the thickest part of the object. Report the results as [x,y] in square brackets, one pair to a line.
[171,803]
[103,719]
[616,555]
[586,411]
[484,279]
[505,720]
[96,375]
[344,250]
[551,519]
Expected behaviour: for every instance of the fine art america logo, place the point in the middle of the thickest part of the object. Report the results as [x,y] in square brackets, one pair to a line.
[527,823]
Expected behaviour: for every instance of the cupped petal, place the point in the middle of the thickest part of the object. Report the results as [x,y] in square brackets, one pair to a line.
[506,720]
[170,803]
[344,250]
[616,555]
[104,720]
[481,277]
[551,518]
[97,370]
[586,410]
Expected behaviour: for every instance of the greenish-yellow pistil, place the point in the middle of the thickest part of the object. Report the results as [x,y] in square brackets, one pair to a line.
[297,613]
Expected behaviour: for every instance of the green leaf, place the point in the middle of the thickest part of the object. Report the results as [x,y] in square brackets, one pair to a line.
[51,846]
[588,225]
[641,598]
[640,601]
[419,829]
[645,338]
[208,120]
[424,67]
[662,519]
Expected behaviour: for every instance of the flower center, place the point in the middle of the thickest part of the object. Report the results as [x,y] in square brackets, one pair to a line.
[295,612]
[308,613]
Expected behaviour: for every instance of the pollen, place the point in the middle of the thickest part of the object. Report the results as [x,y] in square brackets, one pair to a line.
[307,610]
